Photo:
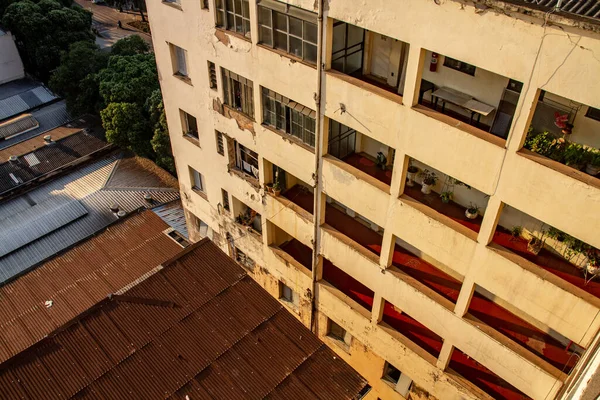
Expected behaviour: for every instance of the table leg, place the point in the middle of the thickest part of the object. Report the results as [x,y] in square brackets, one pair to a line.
[443,106]
[435,103]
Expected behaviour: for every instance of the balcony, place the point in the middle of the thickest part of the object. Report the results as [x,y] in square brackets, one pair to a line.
[552,250]
[468,97]
[376,62]
[483,378]
[565,132]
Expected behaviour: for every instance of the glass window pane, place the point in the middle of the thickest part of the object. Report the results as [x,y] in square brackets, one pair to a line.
[296,26]
[246,9]
[354,62]
[355,35]
[310,32]
[310,52]
[339,37]
[295,46]
[246,27]
[238,24]
[264,16]
[281,21]
[265,36]
[237,4]
[230,23]
[281,41]
[338,64]
[220,19]
[229,5]
[219,4]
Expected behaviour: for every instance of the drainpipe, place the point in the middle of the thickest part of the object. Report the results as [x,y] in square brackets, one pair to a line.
[317,169]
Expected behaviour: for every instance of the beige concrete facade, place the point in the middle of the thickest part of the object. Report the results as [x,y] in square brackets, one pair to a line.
[543,52]
[11,66]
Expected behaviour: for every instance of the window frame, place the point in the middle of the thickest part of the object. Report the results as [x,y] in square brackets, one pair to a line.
[186,125]
[220,140]
[243,155]
[212,75]
[204,5]
[225,200]
[293,300]
[593,113]
[346,52]
[284,117]
[246,92]
[344,338]
[459,65]
[222,11]
[306,19]
[243,259]
[195,178]
[179,54]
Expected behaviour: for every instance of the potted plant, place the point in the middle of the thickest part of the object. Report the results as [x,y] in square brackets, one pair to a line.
[381,161]
[534,245]
[592,166]
[276,188]
[516,232]
[446,196]
[411,173]
[429,180]
[574,156]
[593,261]
[472,211]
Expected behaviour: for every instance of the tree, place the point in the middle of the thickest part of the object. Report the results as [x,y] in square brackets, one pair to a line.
[129,46]
[141,5]
[161,143]
[75,79]
[129,79]
[127,127]
[45,29]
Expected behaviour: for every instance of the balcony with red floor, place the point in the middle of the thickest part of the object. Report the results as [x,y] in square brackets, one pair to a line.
[368,164]
[483,378]
[299,252]
[549,261]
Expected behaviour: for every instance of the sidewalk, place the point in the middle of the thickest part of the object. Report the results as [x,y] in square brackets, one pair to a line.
[105,20]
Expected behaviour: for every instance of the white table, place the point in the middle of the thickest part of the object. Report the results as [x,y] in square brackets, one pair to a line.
[462,100]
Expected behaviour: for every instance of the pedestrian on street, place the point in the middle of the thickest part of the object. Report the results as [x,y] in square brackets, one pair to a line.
[119,24]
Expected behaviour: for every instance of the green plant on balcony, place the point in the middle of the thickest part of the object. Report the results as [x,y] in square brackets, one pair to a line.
[429,180]
[381,161]
[446,196]
[592,160]
[574,155]
[516,232]
[593,261]
[411,173]
[246,217]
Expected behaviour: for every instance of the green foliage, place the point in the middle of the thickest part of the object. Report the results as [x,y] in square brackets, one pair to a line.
[44,29]
[127,127]
[593,157]
[129,79]
[129,46]
[75,78]
[558,149]
[161,143]
[574,155]
[516,231]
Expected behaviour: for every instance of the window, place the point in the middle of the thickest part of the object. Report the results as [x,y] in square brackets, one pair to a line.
[593,113]
[225,196]
[237,91]
[459,65]
[338,333]
[288,116]
[190,125]
[177,2]
[212,75]
[342,140]
[288,295]
[220,143]
[288,28]
[179,61]
[246,160]
[179,238]
[233,15]
[197,180]
[401,381]
[243,259]
[204,4]
[347,48]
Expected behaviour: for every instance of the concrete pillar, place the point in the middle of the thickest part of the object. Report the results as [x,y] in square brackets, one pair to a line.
[527,104]
[399,174]
[319,268]
[414,71]
[377,310]
[323,205]
[327,41]
[445,355]
[464,297]
[387,249]
[490,220]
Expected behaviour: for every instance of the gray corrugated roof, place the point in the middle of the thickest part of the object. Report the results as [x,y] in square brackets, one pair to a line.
[49,117]
[17,125]
[30,96]
[584,8]
[172,213]
[85,185]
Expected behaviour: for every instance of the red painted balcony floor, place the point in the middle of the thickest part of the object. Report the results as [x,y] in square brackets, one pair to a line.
[513,327]
[366,164]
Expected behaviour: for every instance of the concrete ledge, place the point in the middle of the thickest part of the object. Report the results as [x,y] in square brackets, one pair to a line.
[396,98]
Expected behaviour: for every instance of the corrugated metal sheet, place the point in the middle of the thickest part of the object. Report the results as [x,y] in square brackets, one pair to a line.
[585,8]
[25,100]
[48,117]
[87,186]
[73,283]
[237,342]
[173,214]
[18,125]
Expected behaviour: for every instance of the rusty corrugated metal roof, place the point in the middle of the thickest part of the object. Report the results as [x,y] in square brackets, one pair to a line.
[80,278]
[199,327]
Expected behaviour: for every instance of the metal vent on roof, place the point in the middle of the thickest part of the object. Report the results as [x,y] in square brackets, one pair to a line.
[31,159]
[15,179]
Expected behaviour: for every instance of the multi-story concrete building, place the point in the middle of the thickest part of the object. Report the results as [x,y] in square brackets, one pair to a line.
[382,168]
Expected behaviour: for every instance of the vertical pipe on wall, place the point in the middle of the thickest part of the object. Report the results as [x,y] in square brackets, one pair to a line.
[318,148]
